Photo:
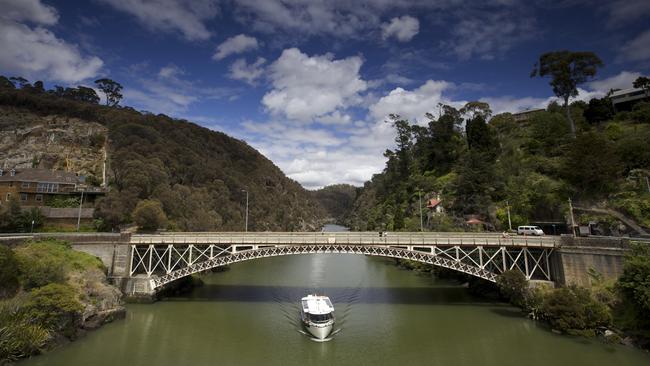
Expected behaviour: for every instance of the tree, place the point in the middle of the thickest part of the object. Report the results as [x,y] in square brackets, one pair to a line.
[599,110]
[87,95]
[149,215]
[476,108]
[111,89]
[642,82]
[5,83]
[573,309]
[513,286]
[567,70]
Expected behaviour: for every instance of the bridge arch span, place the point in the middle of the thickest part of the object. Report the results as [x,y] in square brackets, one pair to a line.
[165,264]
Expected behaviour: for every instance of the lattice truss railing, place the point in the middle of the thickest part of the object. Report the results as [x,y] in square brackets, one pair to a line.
[166,263]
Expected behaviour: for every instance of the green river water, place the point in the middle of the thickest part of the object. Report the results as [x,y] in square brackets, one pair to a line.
[249,315]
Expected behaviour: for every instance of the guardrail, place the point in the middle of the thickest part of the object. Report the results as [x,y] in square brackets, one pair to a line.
[347,238]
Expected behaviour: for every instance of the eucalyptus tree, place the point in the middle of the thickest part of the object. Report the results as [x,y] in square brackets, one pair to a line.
[567,70]
[111,89]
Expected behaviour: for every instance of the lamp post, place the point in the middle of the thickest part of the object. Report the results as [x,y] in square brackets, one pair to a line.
[573,224]
[509,222]
[81,201]
[420,201]
[246,227]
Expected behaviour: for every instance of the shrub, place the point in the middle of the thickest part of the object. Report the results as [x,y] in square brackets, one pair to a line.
[572,309]
[634,284]
[18,337]
[9,282]
[513,286]
[56,307]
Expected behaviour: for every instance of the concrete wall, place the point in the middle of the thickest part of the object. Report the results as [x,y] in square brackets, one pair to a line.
[573,260]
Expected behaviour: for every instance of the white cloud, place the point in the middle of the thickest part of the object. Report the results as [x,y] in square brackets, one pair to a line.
[37,52]
[638,49]
[250,73]
[235,45]
[623,12]
[307,87]
[623,80]
[489,35]
[28,10]
[186,17]
[403,28]
[166,92]
[413,104]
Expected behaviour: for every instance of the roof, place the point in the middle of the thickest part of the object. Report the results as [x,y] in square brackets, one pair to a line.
[625,91]
[40,175]
[317,305]
[433,203]
[474,221]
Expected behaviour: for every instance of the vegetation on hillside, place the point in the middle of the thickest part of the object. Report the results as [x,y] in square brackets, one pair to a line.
[480,165]
[48,291]
[336,200]
[195,174]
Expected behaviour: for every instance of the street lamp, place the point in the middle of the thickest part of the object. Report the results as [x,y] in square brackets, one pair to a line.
[243,190]
[81,201]
[420,201]
[509,222]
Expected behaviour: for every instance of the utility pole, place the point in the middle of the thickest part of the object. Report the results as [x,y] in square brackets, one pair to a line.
[509,222]
[647,183]
[573,224]
[420,200]
[81,201]
[246,227]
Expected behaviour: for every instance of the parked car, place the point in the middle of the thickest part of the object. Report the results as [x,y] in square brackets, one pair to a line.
[530,230]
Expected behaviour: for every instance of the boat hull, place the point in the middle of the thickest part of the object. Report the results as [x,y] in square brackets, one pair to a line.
[320,331]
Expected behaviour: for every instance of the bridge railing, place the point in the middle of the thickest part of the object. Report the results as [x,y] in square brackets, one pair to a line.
[357,238]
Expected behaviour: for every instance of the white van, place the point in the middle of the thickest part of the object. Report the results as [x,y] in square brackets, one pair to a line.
[530,230]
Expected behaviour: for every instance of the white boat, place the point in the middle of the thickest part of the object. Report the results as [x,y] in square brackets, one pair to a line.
[317,315]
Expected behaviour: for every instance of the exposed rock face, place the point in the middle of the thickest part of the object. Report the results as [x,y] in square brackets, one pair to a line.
[28,140]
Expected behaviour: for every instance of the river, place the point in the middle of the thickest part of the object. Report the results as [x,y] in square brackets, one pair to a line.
[249,315]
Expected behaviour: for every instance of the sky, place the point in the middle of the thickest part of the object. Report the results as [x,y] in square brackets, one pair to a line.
[309,83]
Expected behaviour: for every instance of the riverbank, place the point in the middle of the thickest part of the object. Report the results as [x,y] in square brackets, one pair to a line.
[50,295]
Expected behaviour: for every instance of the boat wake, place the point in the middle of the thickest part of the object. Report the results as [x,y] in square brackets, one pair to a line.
[314,339]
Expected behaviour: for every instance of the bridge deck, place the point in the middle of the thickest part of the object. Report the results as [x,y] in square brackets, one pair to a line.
[346,238]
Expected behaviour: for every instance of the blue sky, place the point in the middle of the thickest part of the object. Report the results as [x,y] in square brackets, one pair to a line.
[309,83]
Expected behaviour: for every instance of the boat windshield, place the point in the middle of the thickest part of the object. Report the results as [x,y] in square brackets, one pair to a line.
[320,318]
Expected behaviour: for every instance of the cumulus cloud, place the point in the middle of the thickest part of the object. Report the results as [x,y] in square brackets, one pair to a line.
[186,17]
[37,52]
[638,49]
[250,73]
[402,28]
[307,87]
[234,45]
[413,104]
[29,10]
[623,80]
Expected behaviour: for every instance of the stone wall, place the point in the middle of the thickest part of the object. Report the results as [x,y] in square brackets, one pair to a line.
[577,256]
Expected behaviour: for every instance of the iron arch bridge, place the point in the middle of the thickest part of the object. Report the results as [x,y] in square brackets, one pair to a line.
[163,258]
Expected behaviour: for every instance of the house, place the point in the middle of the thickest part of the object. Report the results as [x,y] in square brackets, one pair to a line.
[40,187]
[623,100]
[434,205]
[526,115]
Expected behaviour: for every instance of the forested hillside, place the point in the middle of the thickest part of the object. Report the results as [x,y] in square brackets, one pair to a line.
[336,200]
[196,175]
[478,164]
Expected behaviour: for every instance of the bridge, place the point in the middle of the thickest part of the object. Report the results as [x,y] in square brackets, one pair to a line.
[142,264]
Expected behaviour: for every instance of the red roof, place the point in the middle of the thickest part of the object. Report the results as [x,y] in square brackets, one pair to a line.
[433,203]
[474,221]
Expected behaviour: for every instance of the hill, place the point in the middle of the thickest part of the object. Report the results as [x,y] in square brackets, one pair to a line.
[336,200]
[198,175]
[479,166]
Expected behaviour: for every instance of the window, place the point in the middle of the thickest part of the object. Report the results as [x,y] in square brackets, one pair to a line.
[47,187]
[25,185]
[39,198]
[23,196]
